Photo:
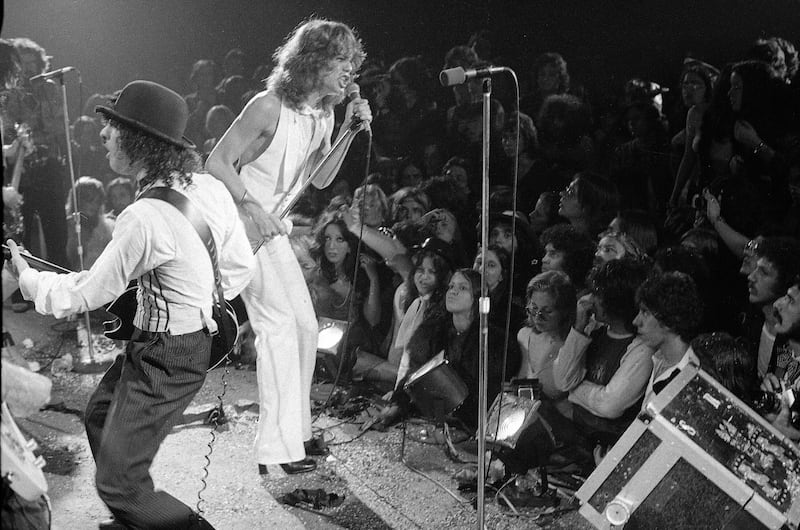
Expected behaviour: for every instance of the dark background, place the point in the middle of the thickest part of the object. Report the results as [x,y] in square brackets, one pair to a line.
[604,42]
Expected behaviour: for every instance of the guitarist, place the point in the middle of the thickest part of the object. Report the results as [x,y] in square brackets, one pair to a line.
[44,185]
[147,389]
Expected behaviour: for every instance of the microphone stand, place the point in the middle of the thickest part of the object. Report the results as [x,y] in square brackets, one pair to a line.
[76,217]
[483,306]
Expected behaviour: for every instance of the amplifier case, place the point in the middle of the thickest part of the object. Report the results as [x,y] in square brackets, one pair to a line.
[697,457]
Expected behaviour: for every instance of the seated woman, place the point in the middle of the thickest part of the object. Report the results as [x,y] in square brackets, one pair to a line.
[96,226]
[419,298]
[456,334]
[498,271]
[336,289]
[551,311]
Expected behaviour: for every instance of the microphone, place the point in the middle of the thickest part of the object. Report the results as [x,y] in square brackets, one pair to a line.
[353,91]
[53,73]
[457,76]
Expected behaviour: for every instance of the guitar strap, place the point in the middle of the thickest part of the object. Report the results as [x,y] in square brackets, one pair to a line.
[183,205]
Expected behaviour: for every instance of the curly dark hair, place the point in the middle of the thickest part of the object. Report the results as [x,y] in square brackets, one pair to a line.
[729,361]
[570,110]
[161,160]
[554,59]
[474,279]
[784,254]
[578,250]
[443,272]
[674,301]
[318,248]
[302,61]
[615,282]
[26,45]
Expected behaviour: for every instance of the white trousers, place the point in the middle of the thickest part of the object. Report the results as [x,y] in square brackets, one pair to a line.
[285,327]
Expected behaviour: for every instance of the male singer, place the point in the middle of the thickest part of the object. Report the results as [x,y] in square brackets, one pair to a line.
[263,159]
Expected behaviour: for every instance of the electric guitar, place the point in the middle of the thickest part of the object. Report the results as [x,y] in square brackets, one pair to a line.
[21,467]
[123,310]
[13,223]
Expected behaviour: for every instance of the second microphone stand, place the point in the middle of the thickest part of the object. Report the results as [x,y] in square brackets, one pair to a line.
[483,306]
[76,216]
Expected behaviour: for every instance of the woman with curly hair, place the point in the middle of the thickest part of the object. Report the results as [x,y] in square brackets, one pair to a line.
[264,159]
[340,292]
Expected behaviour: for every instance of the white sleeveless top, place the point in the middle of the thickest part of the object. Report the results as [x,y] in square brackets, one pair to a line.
[277,175]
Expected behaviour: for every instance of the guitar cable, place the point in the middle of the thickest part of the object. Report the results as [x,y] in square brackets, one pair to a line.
[214,417]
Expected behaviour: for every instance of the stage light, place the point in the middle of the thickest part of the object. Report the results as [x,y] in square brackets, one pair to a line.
[510,415]
[331,333]
[436,389]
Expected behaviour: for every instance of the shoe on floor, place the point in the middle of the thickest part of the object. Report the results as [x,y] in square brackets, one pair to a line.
[316,447]
[21,307]
[111,524]
[301,466]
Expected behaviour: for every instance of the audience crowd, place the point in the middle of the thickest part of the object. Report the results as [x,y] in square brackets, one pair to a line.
[629,234]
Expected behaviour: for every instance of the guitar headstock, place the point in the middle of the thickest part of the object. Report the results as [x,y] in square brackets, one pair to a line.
[24,137]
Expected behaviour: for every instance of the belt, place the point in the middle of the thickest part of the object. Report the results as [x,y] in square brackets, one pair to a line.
[140,335]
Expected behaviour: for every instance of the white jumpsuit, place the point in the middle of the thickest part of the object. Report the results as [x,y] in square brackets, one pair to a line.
[277,299]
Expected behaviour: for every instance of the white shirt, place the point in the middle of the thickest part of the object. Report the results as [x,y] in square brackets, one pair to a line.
[765,344]
[664,371]
[155,243]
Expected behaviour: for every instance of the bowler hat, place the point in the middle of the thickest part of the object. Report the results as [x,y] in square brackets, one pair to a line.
[153,109]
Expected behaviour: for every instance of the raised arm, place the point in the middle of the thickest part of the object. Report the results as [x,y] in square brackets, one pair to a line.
[358,109]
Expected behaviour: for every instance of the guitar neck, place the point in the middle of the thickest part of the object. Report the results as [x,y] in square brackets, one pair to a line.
[16,174]
[34,261]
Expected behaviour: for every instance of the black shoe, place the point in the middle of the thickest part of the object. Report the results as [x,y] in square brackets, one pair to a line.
[316,447]
[111,524]
[301,466]
[262,469]
[21,307]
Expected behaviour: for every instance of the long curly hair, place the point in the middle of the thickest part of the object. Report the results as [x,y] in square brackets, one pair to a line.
[318,249]
[443,272]
[303,60]
[161,160]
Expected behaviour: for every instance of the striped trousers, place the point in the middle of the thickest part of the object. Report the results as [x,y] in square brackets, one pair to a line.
[138,401]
